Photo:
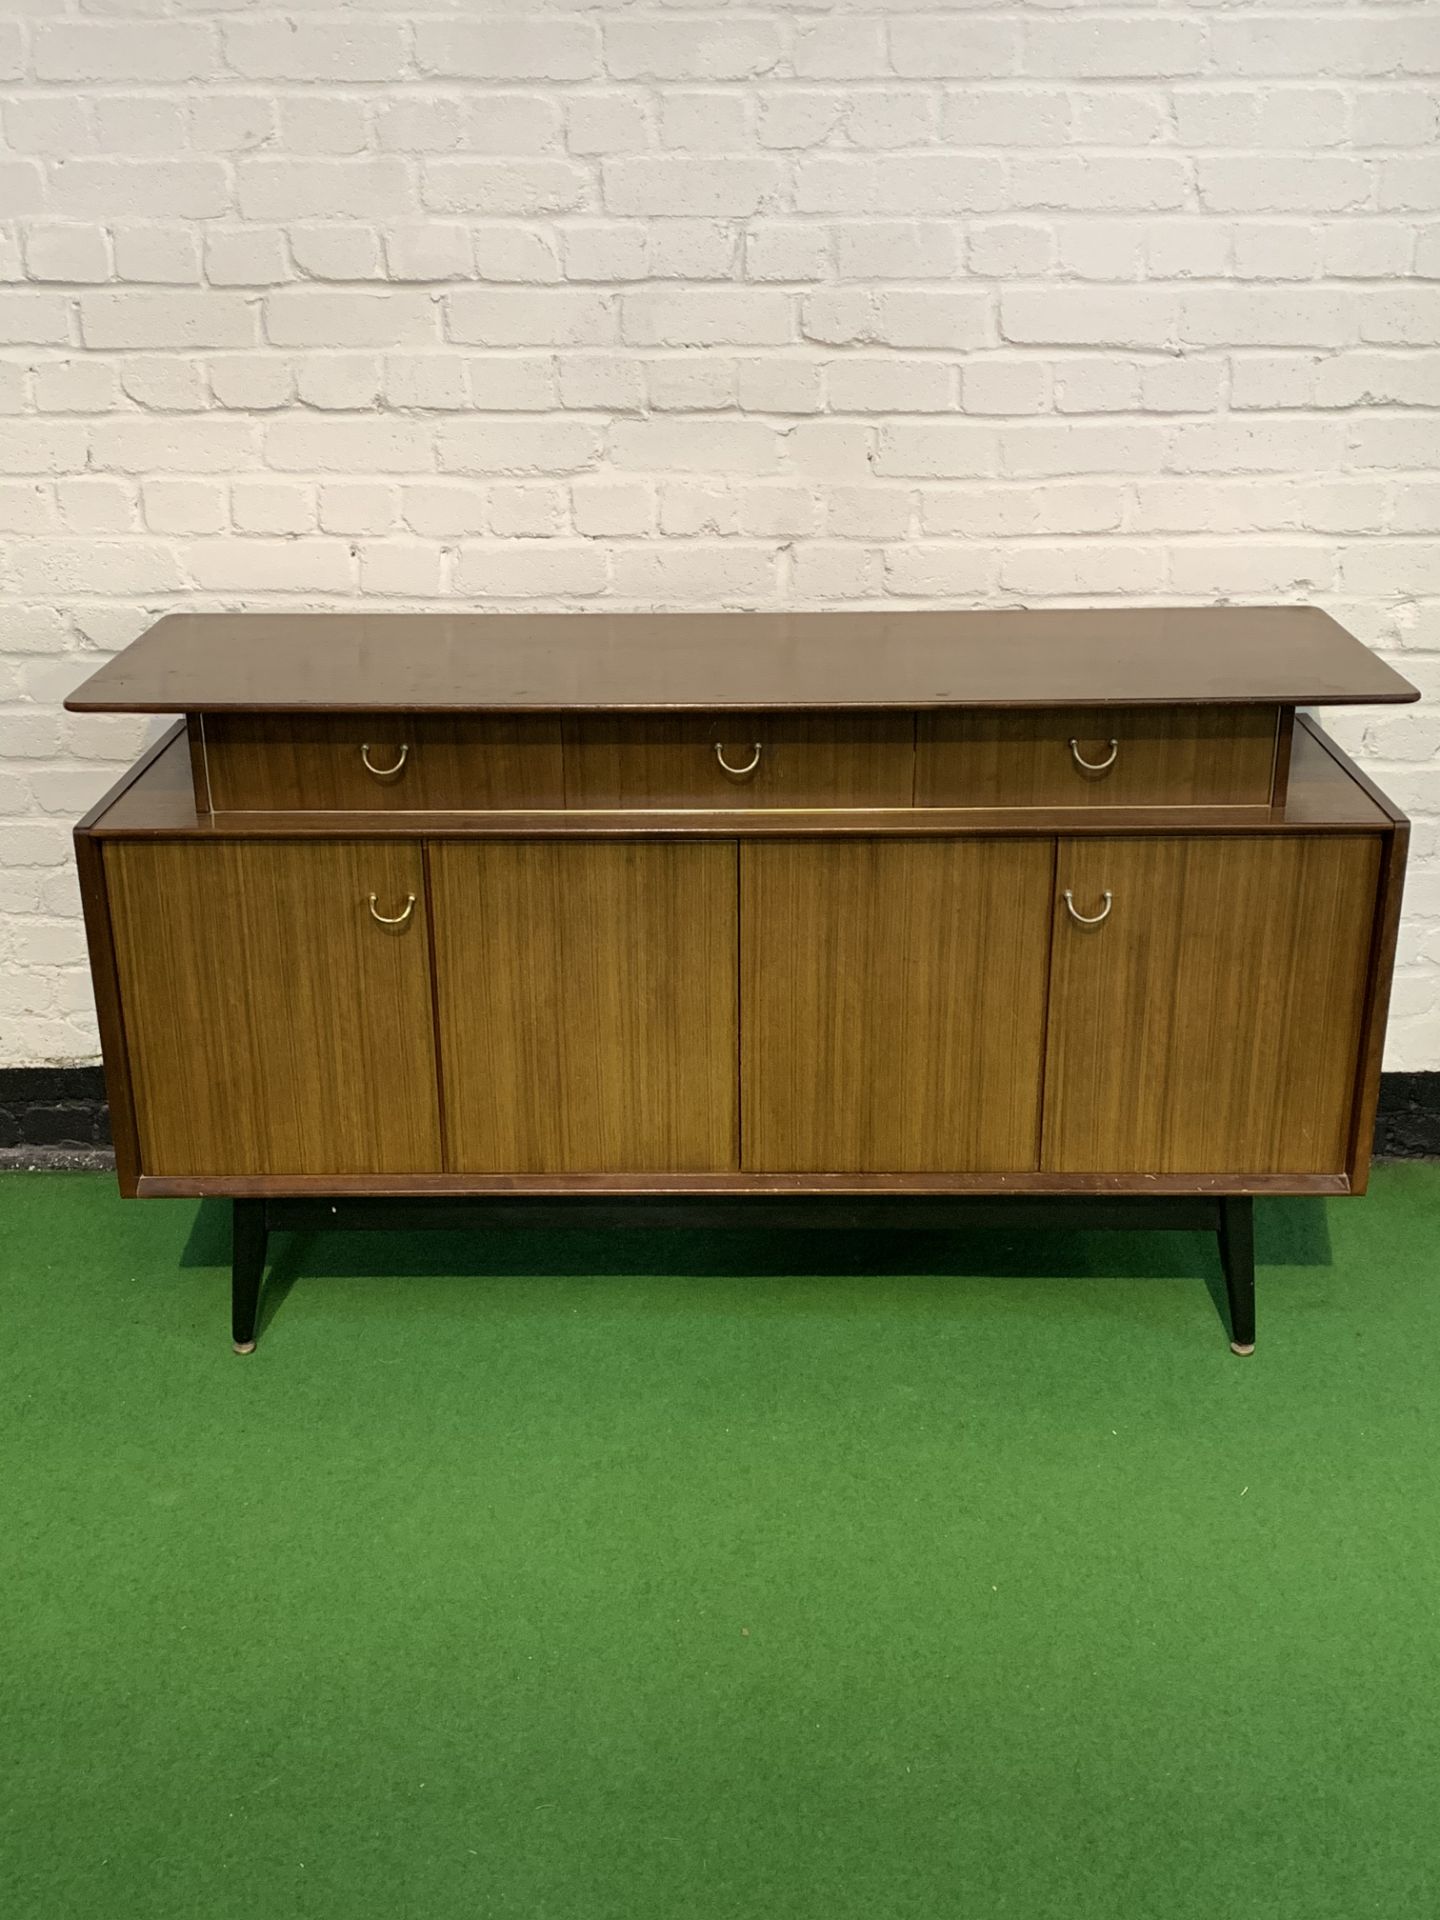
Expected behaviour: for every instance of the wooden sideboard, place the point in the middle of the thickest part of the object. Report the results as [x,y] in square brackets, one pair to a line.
[892,918]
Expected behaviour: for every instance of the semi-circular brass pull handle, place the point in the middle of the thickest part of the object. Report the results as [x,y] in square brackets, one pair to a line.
[383,773]
[1094,766]
[739,773]
[400,919]
[1088,919]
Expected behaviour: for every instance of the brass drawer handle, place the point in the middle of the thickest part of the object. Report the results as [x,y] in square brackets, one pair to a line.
[1094,766]
[383,773]
[1090,919]
[402,918]
[738,773]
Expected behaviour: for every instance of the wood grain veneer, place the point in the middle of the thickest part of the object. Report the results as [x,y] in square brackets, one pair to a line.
[268,762]
[270,1025]
[1211,1023]
[805,760]
[1162,757]
[585,998]
[892,1004]
[475,663]
[1323,796]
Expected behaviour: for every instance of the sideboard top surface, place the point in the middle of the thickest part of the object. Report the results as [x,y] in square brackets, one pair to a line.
[611,662]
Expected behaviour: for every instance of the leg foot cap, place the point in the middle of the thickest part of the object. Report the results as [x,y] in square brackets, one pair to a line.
[244,1346]
[1237,1347]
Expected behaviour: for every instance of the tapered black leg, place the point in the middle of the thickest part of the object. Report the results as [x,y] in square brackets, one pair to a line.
[1237,1256]
[247,1271]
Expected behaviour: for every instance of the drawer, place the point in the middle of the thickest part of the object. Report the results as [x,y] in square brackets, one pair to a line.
[1097,757]
[377,762]
[740,760]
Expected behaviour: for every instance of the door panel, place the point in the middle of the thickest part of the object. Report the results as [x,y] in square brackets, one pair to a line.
[586,998]
[1210,1023]
[893,1004]
[273,1025]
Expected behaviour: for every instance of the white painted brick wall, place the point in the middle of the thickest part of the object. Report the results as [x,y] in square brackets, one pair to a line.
[571,304]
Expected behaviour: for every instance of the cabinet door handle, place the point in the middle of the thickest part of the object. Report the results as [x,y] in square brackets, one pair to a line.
[383,773]
[403,917]
[1094,766]
[739,773]
[1088,919]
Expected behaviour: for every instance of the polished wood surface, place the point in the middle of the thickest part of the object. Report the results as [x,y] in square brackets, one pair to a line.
[271,1026]
[892,1004]
[255,762]
[1322,797]
[1211,1023]
[1157,757]
[804,760]
[608,662]
[105,981]
[585,997]
[835,1185]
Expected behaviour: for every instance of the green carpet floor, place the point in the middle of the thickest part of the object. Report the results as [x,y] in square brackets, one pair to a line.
[719,1577]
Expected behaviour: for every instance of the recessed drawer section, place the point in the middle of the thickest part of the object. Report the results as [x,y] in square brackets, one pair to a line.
[376,762]
[1097,757]
[741,760]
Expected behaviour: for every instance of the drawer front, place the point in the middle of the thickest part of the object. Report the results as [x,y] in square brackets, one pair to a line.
[375,762]
[739,760]
[1097,757]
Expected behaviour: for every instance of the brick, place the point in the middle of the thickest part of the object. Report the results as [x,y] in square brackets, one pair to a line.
[895,250]
[504,186]
[1127,47]
[245,256]
[669,184]
[300,443]
[400,568]
[277,506]
[349,506]
[1270,251]
[526,511]
[1003,386]
[478,445]
[704,317]
[606,509]
[444,510]
[1065,316]
[520,48]
[179,189]
[605,250]
[839,50]
[705,122]
[691,507]
[34,319]
[47,124]
[95,568]
[184,506]
[1066,447]
[157,254]
[343,251]
[958,450]
[165,50]
[695,573]
[656,49]
[252,381]
[956,320]
[923,569]
[779,384]
[694,446]
[309,317]
[178,444]
[1285,445]
[76,386]
[1256,183]
[1089,568]
[271,566]
[137,124]
[776,250]
[286,190]
[932,46]
[278,49]
[889,385]
[898,117]
[1000,117]
[166,320]
[516,253]
[1098,181]
[568,316]
[522,570]
[1262,317]
[690,383]
[338,382]
[599,123]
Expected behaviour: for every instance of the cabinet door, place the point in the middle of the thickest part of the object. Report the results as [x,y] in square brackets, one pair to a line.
[273,1025]
[893,1004]
[586,1000]
[1210,1023]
